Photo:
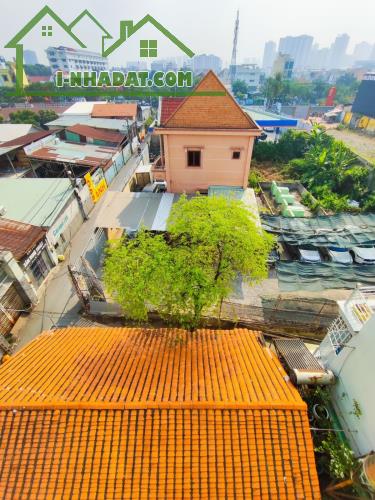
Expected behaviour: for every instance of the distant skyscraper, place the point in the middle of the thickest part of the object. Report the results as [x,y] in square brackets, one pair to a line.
[339,47]
[362,51]
[204,62]
[319,57]
[269,56]
[30,57]
[299,48]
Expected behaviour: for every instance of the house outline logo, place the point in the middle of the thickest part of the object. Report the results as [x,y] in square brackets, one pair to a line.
[148,48]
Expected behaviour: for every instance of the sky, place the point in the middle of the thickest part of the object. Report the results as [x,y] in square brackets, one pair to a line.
[206,26]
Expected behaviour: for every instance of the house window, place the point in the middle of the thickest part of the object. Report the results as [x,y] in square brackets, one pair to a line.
[148,48]
[46,30]
[236,155]
[193,158]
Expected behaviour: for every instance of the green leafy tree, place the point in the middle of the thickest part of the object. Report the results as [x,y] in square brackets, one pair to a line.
[346,88]
[47,115]
[1,118]
[24,116]
[27,116]
[37,70]
[239,87]
[191,269]
[292,144]
[273,89]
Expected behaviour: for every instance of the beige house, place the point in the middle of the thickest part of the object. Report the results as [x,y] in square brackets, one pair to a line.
[205,140]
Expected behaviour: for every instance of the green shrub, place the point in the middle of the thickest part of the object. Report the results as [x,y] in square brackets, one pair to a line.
[254,178]
[342,462]
[264,151]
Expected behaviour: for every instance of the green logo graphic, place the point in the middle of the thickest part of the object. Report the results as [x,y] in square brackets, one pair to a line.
[147,49]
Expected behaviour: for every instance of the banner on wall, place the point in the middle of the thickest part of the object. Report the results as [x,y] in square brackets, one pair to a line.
[97,189]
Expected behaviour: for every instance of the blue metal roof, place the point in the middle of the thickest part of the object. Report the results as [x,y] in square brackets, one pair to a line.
[266,119]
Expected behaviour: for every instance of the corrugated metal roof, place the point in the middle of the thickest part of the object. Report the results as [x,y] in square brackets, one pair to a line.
[27,139]
[106,123]
[18,237]
[10,131]
[81,154]
[34,201]
[267,119]
[96,133]
[82,108]
[130,211]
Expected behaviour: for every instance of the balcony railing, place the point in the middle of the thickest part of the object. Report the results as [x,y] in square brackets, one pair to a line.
[354,313]
[358,308]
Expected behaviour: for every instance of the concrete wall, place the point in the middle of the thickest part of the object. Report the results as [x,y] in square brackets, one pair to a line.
[217,166]
[361,122]
[354,368]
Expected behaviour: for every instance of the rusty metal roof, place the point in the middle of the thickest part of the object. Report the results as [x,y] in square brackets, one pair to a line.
[97,133]
[81,154]
[18,237]
[27,139]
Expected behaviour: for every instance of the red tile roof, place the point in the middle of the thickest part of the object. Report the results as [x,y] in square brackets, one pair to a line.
[27,139]
[168,107]
[38,79]
[127,110]
[142,413]
[97,133]
[210,112]
[18,237]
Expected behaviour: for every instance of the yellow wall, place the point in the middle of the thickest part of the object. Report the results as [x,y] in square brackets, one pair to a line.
[10,73]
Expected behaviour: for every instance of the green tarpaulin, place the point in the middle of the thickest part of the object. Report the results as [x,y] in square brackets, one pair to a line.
[316,277]
[341,230]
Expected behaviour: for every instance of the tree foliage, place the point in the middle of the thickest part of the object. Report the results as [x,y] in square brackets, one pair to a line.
[292,144]
[331,171]
[28,116]
[37,70]
[24,116]
[239,87]
[276,89]
[191,269]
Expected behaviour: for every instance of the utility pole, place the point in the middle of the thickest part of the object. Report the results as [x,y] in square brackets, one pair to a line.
[130,138]
[73,182]
[233,62]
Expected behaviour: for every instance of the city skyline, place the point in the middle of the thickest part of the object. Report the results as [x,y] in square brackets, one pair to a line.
[213,37]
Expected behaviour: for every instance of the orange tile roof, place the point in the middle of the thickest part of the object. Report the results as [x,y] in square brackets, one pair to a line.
[215,112]
[128,110]
[140,413]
